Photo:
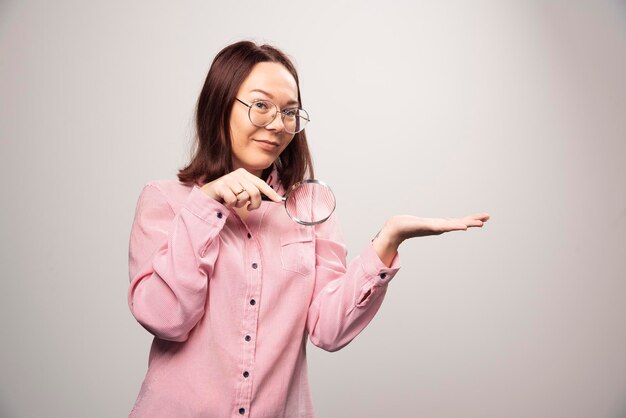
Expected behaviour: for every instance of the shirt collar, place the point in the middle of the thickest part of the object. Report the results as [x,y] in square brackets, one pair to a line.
[274,182]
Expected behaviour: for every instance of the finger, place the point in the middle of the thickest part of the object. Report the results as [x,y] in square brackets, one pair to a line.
[264,188]
[448,224]
[253,193]
[228,196]
[474,223]
[238,186]
[242,199]
[245,176]
[233,183]
[480,216]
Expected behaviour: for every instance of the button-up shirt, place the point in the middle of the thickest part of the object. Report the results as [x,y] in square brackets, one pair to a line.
[231,303]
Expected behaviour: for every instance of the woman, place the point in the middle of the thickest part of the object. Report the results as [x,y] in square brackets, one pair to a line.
[227,283]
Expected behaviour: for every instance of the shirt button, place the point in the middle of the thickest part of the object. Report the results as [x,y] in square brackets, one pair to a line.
[249,235]
[246,374]
[219,215]
[254,265]
[383,275]
[242,411]
[252,301]
[247,338]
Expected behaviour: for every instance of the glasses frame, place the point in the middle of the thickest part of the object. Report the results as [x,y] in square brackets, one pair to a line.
[277,111]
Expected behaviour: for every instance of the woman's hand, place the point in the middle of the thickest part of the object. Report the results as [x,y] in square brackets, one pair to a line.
[238,188]
[402,227]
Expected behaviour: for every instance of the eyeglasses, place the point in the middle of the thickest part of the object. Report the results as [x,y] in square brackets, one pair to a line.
[263,112]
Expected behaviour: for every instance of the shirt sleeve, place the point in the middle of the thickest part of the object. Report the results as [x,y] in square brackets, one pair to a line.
[171,258]
[345,299]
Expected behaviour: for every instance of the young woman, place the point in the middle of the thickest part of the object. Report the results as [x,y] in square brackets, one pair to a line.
[228,284]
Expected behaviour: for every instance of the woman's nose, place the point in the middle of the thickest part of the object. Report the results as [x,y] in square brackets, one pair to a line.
[277,124]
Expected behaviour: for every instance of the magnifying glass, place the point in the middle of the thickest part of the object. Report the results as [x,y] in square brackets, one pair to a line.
[308,202]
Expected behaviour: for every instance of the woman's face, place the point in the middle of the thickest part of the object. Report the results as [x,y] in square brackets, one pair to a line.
[254,148]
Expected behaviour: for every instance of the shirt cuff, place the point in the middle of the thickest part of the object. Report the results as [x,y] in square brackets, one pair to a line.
[375,268]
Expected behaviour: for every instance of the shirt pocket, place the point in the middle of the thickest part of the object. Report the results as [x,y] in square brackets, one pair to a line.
[297,251]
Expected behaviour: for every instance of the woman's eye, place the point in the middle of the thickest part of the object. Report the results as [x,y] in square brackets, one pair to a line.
[292,113]
[261,105]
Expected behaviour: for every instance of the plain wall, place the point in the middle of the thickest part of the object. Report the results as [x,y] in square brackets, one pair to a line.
[436,109]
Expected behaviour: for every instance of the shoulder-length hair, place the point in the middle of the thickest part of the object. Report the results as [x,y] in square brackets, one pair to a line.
[212,154]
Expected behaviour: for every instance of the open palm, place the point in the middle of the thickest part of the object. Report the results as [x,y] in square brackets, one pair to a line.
[401,227]
[407,226]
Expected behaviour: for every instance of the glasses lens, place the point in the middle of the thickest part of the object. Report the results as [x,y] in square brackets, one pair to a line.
[262,113]
[295,120]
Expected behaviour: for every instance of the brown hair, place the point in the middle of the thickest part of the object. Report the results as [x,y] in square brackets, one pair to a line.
[212,155]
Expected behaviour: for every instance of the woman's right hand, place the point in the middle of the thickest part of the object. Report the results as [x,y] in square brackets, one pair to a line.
[240,188]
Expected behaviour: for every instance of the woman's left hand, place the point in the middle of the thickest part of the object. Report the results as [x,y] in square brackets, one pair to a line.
[402,227]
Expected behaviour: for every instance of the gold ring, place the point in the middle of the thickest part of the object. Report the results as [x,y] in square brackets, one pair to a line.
[241,191]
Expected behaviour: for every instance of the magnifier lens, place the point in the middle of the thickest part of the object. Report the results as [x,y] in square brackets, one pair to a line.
[310,202]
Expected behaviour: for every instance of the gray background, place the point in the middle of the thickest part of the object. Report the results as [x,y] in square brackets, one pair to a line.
[430,108]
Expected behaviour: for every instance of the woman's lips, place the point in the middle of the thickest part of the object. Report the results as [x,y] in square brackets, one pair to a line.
[266,145]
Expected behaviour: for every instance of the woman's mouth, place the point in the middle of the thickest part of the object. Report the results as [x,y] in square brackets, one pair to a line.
[267,145]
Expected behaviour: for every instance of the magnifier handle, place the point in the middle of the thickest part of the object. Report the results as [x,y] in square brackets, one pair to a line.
[267,199]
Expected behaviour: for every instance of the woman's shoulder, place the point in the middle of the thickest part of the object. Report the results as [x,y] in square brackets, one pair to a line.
[170,186]
[170,190]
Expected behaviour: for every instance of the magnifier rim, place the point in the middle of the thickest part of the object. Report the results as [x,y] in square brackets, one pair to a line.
[314,181]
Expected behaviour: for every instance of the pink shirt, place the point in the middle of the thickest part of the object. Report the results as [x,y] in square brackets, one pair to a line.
[231,303]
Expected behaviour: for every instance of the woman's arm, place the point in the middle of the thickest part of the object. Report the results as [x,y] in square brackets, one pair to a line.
[346,299]
[171,257]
